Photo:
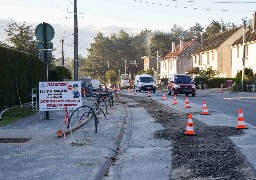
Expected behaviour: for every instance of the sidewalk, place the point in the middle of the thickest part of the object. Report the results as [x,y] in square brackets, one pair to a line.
[83,154]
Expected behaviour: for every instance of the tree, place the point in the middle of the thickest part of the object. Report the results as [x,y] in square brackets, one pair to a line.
[213,28]
[208,74]
[22,38]
[59,73]
[111,76]
[195,32]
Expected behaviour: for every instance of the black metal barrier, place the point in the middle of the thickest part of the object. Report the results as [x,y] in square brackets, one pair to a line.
[87,114]
[101,98]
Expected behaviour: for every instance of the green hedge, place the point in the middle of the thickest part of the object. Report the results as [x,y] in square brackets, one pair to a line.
[18,71]
[214,83]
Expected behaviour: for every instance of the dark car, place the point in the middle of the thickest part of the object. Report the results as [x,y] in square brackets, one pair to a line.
[181,84]
[86,86]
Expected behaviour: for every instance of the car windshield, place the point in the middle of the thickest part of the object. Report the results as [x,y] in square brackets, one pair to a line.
[86,81]
[147,79]
[183,79]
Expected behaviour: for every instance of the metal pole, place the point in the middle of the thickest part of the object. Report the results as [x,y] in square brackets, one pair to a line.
[75,42]
[125,66]
[243,59]
[45,60]
[62,52]
[157,68]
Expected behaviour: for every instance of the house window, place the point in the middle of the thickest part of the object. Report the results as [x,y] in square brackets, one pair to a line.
[170,64]
[200,59]
[237,51]
[195,59]
[207,56]
[212,55]
[165,67]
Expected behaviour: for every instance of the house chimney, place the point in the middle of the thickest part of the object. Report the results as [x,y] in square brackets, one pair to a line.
[202,40]
[181,43]
[253,22]
[173,46]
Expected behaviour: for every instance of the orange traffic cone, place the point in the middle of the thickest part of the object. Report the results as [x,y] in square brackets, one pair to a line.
[164,96]
[135,91]
[205,109]
[128,91]
[149,93]
[175,99]
[241,123]
[59,133]
[187,103]
[221,90]
[190,126]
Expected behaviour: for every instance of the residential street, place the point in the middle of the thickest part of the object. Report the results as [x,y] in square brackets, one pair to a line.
[140,138]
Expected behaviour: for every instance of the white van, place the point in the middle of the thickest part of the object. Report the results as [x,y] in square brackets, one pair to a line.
[95,84]
[144,82]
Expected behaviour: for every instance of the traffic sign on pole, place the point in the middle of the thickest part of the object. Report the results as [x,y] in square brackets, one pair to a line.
[49,32]
[41,45]
[45,58]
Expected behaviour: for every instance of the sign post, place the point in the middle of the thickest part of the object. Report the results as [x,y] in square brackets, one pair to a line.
[45,33]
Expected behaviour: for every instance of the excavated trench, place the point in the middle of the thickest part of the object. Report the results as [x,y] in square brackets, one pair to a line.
[210,154]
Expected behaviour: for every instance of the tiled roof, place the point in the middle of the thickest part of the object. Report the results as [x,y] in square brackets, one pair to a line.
[215,41]
[177,51]
[249,36]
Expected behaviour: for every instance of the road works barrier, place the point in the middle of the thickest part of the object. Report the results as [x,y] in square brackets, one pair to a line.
[87,114]
[205,109]
[149,93]
[187,103]
[190,126]
[164,96]
[175,99]
[241,122]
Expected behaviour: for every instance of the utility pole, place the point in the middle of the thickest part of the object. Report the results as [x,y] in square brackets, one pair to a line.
[62,52]
[157,65]
[125,66]
[75,42]
[243,59]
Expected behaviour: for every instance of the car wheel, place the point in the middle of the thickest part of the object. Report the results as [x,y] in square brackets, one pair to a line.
[139,90]
[187,94]
[193,95]
[169,93]
[154,91]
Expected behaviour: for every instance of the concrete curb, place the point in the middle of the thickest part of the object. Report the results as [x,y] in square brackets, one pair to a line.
[105,163]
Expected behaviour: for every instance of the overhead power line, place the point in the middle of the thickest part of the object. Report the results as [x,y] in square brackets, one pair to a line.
[191,2]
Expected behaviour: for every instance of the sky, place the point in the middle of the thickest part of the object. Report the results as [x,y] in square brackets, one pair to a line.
[110,16]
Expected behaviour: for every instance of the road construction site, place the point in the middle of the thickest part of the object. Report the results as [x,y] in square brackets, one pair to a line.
[136,138]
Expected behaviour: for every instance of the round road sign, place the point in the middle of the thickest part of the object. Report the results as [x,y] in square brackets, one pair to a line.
[44,29]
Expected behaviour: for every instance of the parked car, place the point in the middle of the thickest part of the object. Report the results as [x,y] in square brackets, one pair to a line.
[86,86]
[181,84]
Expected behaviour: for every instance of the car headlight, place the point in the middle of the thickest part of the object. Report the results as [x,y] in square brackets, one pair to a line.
[177,86]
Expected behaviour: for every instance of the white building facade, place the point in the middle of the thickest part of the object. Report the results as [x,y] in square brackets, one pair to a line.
[237,50]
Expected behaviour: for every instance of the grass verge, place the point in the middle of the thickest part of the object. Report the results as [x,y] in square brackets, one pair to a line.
[14,114]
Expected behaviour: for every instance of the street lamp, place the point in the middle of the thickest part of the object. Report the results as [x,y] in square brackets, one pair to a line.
[243,59]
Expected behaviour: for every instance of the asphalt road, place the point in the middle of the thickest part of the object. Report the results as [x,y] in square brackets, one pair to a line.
[227,103]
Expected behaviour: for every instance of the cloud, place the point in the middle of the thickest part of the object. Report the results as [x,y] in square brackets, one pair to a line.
[86,35]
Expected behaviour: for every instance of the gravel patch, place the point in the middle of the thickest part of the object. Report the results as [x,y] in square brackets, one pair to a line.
[210,154]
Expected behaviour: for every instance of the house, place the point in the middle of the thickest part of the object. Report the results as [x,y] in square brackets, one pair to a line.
[179,60]
[216,52]
[150,63]
[238,49]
